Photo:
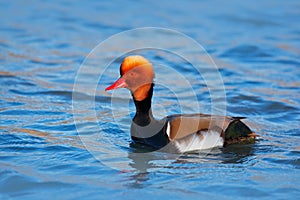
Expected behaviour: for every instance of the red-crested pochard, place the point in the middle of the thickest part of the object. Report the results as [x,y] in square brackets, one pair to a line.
[182,132]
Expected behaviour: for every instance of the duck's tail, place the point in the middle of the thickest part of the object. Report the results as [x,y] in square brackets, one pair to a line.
[238,132]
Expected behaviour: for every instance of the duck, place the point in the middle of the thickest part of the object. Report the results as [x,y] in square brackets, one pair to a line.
[178,132]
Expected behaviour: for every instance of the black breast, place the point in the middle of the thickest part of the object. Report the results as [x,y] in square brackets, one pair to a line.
[153,134]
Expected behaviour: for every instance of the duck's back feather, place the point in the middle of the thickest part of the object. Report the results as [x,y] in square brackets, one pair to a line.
[183,125]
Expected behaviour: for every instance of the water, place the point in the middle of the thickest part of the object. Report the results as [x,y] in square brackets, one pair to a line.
[43,44]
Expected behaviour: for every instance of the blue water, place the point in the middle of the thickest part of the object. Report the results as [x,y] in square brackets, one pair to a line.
[44,154]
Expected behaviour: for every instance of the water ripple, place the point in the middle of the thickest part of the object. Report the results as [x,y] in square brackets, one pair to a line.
[43,153]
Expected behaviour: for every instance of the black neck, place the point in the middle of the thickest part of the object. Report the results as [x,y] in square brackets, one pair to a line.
[145,129]
[143,113]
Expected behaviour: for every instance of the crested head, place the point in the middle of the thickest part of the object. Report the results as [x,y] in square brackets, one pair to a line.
[131,62]
[137,75]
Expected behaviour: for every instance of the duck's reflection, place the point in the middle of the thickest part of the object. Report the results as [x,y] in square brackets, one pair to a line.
[144,162]
[144,158]
[238,154]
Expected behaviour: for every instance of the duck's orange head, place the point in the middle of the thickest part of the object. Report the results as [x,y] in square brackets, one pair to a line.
[137,75]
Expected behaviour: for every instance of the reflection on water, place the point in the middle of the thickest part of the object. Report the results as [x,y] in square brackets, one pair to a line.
[43,152]
[192,165]
[235,154]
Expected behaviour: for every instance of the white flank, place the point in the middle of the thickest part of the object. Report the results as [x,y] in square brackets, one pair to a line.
[209,139]
[168,129]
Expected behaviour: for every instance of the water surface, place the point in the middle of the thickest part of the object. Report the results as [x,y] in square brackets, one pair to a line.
[43,44]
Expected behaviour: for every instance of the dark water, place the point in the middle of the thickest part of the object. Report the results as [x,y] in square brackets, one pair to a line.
[43,154]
